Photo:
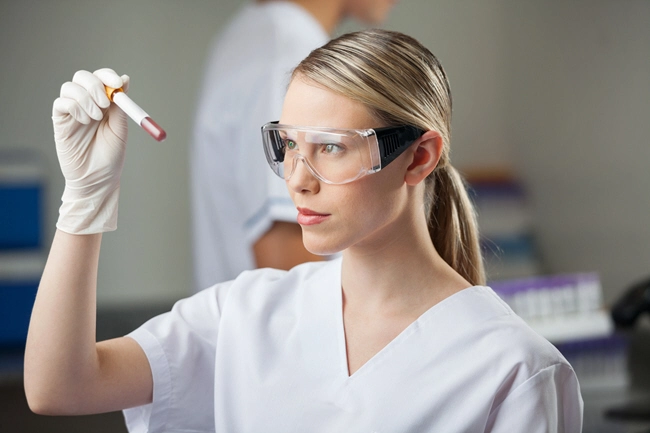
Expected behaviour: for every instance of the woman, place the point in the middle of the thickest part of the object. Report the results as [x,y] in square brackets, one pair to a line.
[397,335]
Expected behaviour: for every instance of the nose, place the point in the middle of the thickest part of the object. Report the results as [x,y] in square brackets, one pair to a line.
[301,179]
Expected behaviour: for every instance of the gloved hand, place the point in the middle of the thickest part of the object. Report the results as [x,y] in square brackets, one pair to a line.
[90,134]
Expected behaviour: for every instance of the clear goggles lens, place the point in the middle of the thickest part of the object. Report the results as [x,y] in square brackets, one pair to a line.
[334,156]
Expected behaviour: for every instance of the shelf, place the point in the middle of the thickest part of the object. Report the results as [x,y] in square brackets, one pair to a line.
[21,264]
[581,326]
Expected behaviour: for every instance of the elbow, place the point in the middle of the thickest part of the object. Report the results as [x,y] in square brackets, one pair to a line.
[45,394]
[47,405]
[38,388]
[41,409]
[54,399]
[55,391]
[42,400]
[40,404]
[38,401]
[35,394]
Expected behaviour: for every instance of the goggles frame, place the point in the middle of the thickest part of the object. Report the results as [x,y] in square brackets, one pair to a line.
[391,142]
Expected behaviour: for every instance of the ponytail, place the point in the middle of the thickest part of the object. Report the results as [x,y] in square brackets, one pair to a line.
[452,223]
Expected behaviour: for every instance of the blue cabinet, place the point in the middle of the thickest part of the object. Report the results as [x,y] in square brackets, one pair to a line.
[16,302]
[22,185]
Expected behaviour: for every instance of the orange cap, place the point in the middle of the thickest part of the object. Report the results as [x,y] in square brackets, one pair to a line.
[110,91]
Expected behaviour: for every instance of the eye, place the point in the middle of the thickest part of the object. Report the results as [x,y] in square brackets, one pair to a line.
[332,149]
[289,144]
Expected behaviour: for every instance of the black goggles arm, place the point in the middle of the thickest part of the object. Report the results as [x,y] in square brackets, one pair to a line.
[394,140]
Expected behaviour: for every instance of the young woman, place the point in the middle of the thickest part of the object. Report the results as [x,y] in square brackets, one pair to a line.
[397,335]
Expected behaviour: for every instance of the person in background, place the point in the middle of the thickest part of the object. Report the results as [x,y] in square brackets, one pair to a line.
[242,216]
[398,334]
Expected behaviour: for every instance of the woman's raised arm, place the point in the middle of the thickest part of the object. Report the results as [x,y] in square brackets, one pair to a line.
[66,371]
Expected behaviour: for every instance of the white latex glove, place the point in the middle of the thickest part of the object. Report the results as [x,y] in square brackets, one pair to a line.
[90,134]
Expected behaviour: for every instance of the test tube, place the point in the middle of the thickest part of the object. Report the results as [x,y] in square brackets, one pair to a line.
[136,113]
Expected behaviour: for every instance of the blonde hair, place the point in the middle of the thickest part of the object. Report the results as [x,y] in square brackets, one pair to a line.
[402,83]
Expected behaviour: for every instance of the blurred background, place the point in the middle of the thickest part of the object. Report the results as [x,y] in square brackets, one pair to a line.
[551,126]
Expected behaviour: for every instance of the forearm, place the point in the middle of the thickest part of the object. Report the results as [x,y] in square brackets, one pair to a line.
[61,357]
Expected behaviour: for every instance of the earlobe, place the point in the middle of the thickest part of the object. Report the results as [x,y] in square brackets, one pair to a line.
[426,154]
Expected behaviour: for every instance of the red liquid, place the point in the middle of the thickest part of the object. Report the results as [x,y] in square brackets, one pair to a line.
[153,129]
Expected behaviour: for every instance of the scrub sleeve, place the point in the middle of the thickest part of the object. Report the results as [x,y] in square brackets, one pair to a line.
[180,346]
[540,404]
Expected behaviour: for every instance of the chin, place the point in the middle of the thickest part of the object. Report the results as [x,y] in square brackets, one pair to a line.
[321,247]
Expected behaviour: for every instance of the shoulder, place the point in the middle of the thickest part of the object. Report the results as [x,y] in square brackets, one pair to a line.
[516,352]
[517,358]
[273,276]
[266,300]
[506,343]
[520,339]
[264,285]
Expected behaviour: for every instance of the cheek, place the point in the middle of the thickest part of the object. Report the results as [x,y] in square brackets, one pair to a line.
[362,209]
[374,200]
[359,215]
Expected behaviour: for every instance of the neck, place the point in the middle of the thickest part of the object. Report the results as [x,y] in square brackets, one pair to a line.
[405,274]
[328,13]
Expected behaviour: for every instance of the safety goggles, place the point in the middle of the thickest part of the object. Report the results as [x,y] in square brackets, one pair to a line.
[334,156]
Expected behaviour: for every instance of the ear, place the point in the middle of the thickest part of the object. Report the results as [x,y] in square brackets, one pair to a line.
[426,154]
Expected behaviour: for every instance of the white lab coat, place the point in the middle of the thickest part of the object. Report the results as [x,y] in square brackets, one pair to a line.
[266,353]
[236,197]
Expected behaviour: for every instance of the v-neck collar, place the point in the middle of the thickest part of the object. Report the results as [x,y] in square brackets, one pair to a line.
[336,290]
[378,357]
[459,311]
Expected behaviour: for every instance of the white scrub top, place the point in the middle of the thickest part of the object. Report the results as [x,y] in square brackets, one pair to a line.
[266,353]
[236,197]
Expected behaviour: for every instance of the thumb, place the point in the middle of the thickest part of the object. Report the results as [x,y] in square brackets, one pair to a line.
[116,121]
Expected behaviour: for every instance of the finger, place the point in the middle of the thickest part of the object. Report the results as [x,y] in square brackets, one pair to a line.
[81,95]
[94,86]
[64,106]
[126,80]
[109,77]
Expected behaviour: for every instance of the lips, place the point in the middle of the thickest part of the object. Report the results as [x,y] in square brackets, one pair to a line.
[308,217]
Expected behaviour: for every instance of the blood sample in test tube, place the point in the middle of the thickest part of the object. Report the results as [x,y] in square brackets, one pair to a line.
[136,113]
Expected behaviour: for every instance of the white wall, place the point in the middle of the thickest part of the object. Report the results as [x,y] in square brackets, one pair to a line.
[525,92]
[161,45]
[579,122]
